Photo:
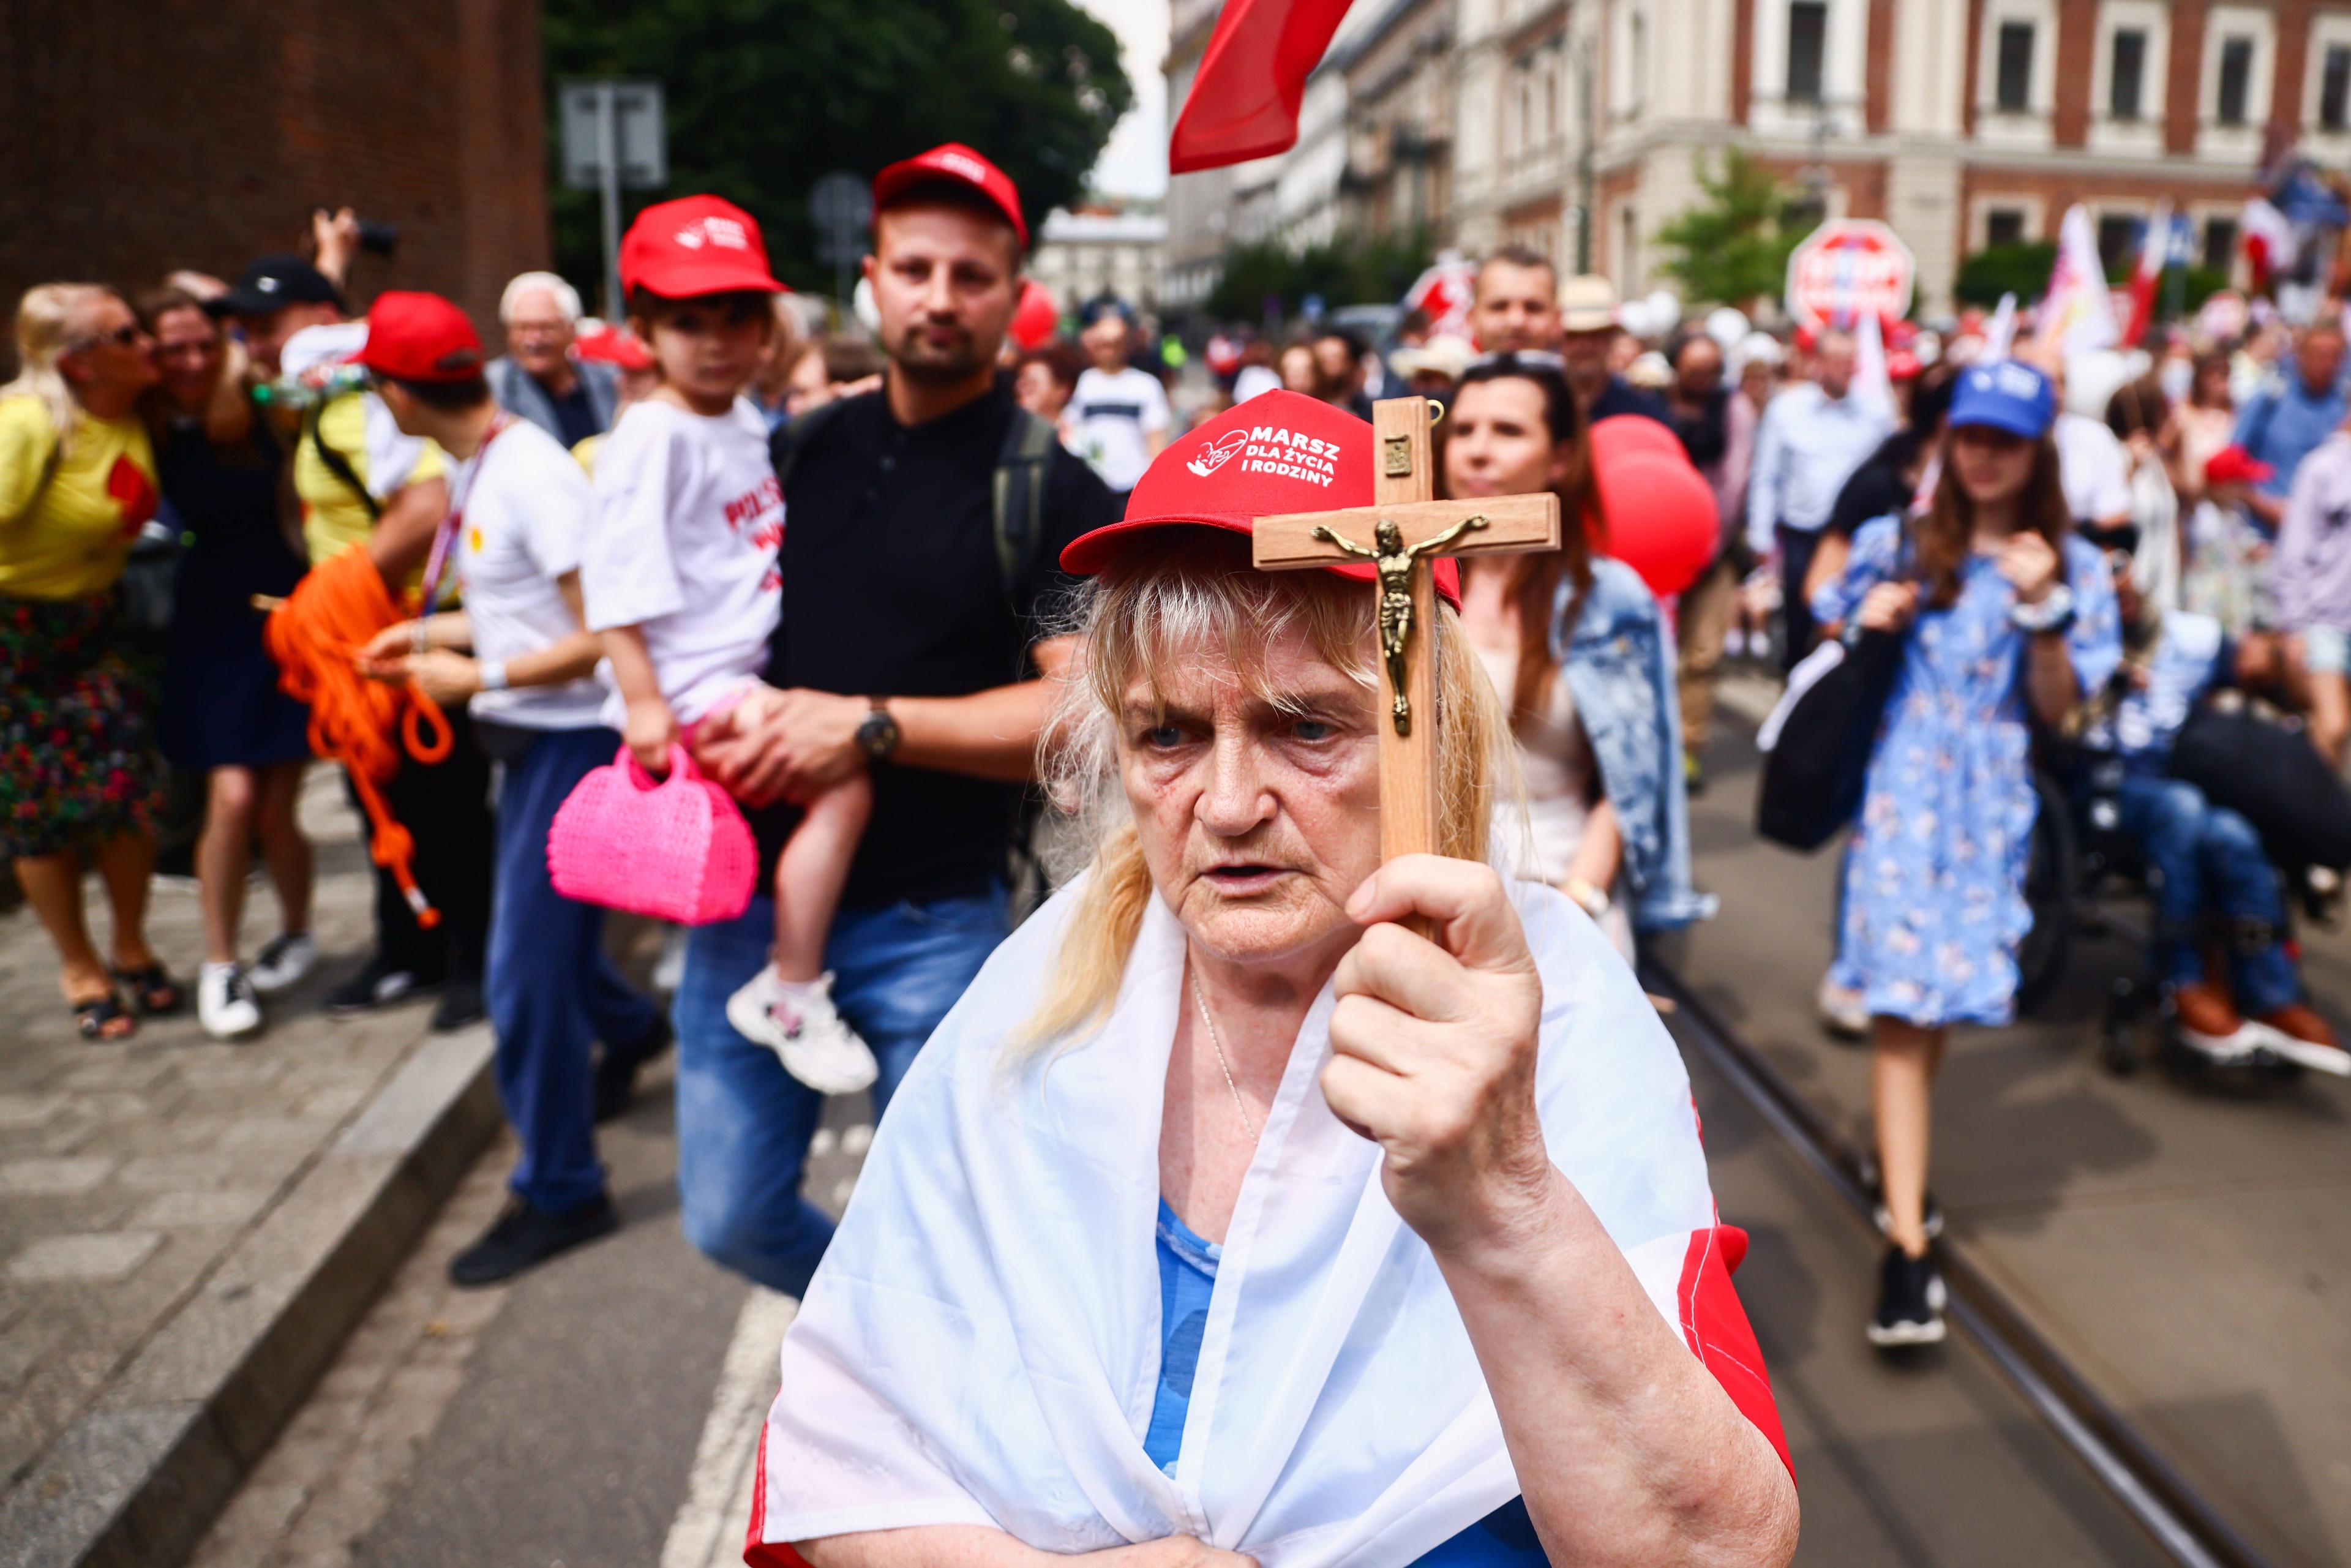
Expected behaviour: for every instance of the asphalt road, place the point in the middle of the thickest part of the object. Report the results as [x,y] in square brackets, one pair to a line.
[2183,1241]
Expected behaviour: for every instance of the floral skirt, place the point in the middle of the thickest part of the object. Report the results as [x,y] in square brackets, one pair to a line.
[77,758]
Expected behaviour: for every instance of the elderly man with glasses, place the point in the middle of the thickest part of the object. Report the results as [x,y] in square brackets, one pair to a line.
[540,377]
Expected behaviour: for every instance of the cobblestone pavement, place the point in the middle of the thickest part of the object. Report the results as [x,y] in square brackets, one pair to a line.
[129,1170]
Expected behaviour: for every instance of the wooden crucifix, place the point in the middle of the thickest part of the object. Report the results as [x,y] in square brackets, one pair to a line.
[1398,534]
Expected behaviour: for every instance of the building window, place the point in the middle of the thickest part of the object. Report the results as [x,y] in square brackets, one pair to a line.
[2219,244]
[2129,67]
[2236,80]
[2004,226]
[1808,34]
[2117,240]
[2015,77]
[2335,90]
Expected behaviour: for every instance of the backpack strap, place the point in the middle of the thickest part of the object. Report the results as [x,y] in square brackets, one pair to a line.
[1017,495]
[791,438]
[337,464]
[1016,489]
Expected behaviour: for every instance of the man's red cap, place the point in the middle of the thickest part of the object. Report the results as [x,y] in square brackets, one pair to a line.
[414,337]
[954,160]
[1279,451]
[2235,466]
[695,245]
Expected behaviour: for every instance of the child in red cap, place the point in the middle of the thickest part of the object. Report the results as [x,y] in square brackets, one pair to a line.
[679,575]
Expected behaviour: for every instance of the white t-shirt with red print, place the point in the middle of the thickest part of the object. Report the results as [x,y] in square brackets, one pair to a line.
[683,546]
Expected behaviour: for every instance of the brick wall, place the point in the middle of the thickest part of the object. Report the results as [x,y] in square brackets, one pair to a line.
[169,133]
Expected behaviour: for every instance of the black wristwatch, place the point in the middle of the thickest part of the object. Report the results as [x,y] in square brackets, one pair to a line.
[878,736]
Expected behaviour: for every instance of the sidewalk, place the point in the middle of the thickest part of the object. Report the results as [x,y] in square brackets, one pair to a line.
[188,1229]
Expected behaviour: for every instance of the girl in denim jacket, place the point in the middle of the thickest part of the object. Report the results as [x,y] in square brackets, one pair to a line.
[1575,645]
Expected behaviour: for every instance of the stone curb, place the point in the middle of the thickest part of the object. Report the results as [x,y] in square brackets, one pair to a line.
[136,1480]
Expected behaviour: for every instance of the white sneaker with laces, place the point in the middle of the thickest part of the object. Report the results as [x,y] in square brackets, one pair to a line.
[226,1004]
[285,959]
[800,1025]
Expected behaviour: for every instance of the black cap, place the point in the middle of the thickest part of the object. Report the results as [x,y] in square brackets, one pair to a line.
[274,282]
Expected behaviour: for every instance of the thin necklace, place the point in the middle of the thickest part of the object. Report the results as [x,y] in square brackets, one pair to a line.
[1201,1001]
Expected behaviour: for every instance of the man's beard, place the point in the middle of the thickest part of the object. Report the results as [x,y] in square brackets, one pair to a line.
[919,362]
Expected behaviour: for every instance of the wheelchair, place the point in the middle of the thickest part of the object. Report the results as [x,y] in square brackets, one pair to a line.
[2079,857]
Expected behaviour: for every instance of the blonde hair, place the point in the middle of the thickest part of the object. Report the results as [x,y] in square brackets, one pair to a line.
[47,318]
[1201,598]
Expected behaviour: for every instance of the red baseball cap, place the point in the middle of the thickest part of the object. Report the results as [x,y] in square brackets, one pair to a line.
[954,160]
[2235,466]
[695,245]
[614,346]
[1279,451]
[416,336]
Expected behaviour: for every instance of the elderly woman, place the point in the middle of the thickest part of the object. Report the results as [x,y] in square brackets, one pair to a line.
[1229,1214]
[78,768]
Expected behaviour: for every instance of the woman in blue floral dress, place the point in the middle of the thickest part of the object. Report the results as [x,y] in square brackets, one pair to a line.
[2010,619]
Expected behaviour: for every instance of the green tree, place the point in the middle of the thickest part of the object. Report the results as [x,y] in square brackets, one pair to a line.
[2022,268]
[766,95]
[1732,244]
[1352,269]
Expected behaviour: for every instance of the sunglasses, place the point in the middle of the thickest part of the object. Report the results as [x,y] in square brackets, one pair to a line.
[122,337]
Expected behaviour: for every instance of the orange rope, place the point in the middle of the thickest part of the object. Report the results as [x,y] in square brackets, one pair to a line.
[316,636]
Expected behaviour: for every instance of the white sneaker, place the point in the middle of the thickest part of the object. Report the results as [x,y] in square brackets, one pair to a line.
[799,1024]
[286,959]
[669,969]
[1843,1010]
[226,1004]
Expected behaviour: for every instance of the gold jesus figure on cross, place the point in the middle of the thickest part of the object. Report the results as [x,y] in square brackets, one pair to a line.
[1407,529]
[1394,560]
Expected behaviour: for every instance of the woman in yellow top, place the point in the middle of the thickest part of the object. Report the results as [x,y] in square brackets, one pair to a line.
[78,767]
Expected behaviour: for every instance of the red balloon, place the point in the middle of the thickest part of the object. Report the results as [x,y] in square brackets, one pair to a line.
[1659,512]
[1621,434]
[1035,318]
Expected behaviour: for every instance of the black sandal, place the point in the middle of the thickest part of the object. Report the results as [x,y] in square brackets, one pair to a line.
[152,987]
[93,1017]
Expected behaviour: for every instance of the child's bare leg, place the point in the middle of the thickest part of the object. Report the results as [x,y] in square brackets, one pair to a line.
[811,873]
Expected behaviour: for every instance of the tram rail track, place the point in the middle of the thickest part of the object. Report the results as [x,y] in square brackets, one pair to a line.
[2182,1522]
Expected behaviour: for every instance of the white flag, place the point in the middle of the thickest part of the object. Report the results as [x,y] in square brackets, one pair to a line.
[2078,316]
[1999,332]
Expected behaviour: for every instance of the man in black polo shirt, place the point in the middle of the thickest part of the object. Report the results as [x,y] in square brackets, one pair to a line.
[915,643]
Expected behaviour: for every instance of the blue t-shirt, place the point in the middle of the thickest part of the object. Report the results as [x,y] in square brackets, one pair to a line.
[2282,425]
[1187,1278]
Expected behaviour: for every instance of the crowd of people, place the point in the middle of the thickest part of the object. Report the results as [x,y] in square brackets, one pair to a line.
[873,578]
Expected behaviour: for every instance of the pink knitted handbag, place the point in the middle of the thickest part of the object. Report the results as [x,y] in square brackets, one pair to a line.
[674,848]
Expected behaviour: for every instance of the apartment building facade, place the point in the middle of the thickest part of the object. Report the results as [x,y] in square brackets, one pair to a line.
[1960,123]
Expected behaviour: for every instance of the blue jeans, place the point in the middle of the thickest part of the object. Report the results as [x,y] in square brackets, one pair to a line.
[551,990]
[744,1124]
[2208,861]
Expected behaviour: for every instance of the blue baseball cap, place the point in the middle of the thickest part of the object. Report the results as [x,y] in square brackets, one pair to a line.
[2006,394]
